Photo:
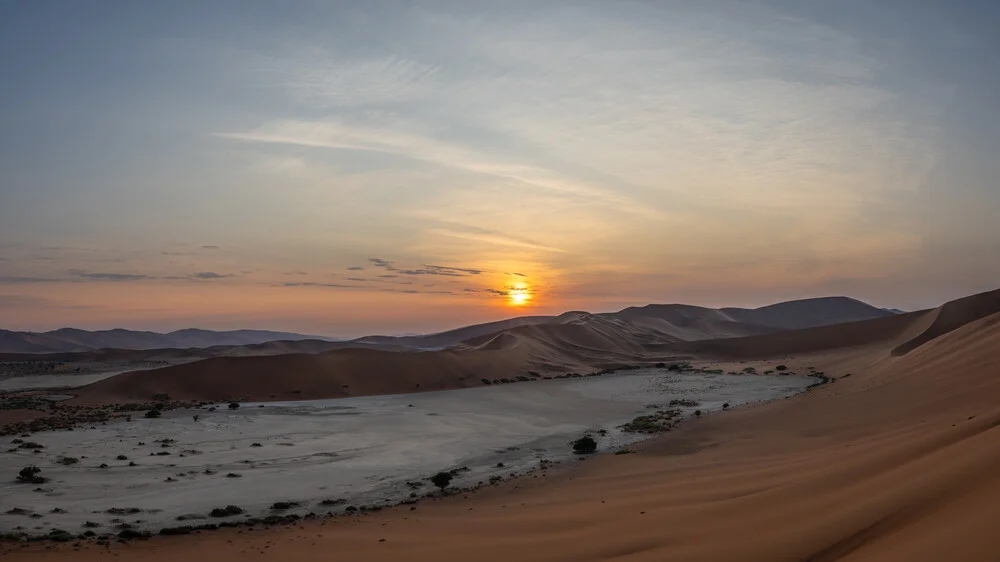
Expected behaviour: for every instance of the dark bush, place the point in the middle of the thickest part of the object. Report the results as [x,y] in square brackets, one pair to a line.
[585,444]
[153,414]
[697,413]
[29,475]
[133,534]
[280,506]
[725,406]
[441,480]
[121,458]
[68,460]
[234,405]
[781,368]
[227,511]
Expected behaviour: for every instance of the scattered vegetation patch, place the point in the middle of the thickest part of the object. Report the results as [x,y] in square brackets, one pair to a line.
[68,460]
[129,534]
[151,414]
[59,535]
[227,511]
[281,506]
[123,510]
[684,402]
[657,422]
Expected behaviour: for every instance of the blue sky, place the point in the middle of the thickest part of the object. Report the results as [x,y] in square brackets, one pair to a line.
[229,164]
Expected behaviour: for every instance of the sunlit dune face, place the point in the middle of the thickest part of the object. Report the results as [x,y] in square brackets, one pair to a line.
[518,296]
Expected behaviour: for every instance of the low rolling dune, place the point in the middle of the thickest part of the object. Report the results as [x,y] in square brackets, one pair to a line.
[896,462]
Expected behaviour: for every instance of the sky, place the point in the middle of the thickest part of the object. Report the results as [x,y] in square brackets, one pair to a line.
[347,168]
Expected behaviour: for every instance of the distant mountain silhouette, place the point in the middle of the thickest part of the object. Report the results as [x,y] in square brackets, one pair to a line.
[654,323]
[75,340]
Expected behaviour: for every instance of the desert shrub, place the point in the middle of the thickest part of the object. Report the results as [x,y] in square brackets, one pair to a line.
[121,458]
[523,378]
[725,406]
[182,530]
[123,510]
[441,480]
[284,505]
[227,511]
[59,535]
[623,452]
[781,368]
[68,460]
[151,414]
[674,367]
[30,445]
[234,405]
[697,413]
[133,534]
[684,402]
[485,381]
[30,475]
[656,422]
[585,444]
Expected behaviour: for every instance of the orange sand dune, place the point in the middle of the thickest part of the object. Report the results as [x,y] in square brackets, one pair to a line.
[898,462]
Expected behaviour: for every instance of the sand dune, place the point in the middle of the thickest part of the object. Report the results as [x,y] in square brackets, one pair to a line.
[572,342]
[897,462]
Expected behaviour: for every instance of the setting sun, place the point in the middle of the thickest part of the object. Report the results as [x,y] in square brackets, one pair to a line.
[519,296]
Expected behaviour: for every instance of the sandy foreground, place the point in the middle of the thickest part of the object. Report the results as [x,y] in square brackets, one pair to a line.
[899,461]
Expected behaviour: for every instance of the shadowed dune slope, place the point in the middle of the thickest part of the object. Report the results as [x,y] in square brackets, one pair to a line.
[350,372]
[896,463]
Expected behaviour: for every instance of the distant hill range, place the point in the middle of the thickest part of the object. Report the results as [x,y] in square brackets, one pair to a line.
[654,323]
[74,340]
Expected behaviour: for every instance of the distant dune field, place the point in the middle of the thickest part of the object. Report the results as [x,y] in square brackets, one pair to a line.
[896,460]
